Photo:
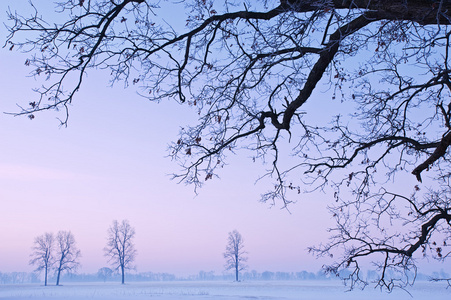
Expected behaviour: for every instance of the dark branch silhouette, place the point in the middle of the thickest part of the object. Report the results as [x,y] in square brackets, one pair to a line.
[357,92]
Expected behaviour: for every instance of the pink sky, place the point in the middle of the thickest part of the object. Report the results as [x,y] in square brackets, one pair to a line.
[110,163]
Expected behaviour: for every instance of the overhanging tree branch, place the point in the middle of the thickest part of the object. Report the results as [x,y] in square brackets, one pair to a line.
[356,91]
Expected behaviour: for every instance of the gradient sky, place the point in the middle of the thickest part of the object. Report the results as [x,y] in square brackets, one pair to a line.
[110,163]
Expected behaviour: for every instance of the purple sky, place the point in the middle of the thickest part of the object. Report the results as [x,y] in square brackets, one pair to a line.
[109,163]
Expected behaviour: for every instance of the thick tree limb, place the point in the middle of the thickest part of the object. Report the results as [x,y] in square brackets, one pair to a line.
[324,60]
[420,11]
[439,152]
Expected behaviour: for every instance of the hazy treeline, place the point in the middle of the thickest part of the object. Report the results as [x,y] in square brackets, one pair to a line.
[19,277]
[24,277]
[266,275]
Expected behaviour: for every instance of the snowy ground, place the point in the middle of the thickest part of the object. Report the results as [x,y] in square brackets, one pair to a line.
[263,290]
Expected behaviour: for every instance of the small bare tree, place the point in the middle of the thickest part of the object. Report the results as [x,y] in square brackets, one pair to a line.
[120,248]
[42,255]
[104,273]
[67,253]
[235,255]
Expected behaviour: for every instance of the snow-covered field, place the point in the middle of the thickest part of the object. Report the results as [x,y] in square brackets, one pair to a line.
[267,290]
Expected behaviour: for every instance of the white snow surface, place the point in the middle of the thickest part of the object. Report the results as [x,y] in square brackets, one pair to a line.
[218,290]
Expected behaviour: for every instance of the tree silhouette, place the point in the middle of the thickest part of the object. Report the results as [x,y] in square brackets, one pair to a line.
[255,74]
[67,255]
[120,248]
[235,255]
[42,255]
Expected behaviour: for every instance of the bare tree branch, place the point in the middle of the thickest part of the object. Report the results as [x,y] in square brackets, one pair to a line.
[357,92]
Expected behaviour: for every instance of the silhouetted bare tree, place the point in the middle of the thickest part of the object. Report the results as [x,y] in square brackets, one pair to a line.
[120,248]
[42,255]
[254,72]
[235,255]
[67,255]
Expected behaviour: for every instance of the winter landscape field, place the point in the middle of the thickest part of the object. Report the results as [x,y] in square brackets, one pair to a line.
[298,134]
[218,290]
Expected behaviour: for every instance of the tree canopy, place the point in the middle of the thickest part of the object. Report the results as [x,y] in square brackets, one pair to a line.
[344,96]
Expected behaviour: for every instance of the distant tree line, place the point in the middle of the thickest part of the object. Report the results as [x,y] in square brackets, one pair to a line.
[265,275]
[202,276]
[23,277]
[253,275]
[19,278]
